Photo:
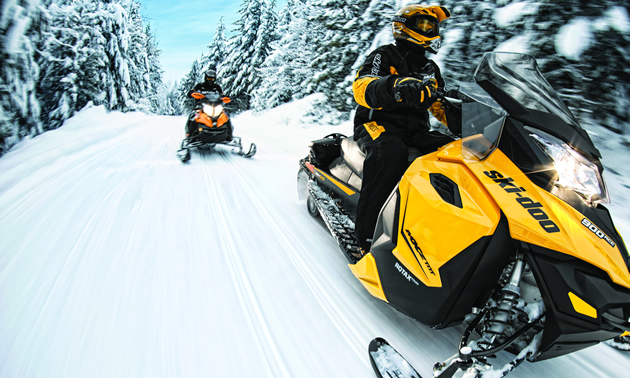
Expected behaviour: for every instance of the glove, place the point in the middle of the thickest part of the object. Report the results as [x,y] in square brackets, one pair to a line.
[413,92]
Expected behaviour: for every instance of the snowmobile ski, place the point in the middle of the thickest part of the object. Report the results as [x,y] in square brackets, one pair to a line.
[239,148]
[620,343]
[388,363]
[183,155]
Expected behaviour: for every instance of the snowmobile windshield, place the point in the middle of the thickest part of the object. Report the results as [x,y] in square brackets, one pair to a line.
[212,96]
[482,121]
[518,76]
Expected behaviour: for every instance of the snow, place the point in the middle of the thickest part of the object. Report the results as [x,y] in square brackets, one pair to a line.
[617,18]
[508,14]
[119,261]
[519,44]
[574,38]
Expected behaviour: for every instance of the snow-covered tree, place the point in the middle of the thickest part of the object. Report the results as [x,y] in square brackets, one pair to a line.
[193,77]
[347,29]
[248,49]
[167,100]
[287,67]
[217,49]
[20,24]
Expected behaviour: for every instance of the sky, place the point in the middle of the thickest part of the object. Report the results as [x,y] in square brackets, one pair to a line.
[184,29]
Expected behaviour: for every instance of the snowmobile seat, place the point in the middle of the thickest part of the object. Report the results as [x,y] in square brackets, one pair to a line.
[349,166]
[353,156]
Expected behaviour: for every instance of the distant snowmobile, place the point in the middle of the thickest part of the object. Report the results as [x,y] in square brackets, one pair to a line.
[214,127]
[504,229]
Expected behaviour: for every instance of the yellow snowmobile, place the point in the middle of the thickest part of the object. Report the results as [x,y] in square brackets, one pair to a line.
[504,228]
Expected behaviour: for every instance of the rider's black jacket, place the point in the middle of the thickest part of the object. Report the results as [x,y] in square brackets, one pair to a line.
[374,82]
[207,86]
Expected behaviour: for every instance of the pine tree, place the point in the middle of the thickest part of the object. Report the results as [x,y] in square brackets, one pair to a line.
[249,47]
[217,49]
[287,67]
[20,25]
[347,29]
[192,78]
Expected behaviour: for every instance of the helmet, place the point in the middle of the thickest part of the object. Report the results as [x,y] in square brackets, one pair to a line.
[420,25]
[209,75]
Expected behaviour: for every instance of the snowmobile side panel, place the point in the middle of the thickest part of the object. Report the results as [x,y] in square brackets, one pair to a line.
[456,212]
[367,273]
[468,280]
[223,118]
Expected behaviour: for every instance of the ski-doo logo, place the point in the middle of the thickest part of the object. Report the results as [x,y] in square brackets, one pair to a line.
[399,19]
[376,64]
[600,234]
[534,208]
[417,248]
[406,274]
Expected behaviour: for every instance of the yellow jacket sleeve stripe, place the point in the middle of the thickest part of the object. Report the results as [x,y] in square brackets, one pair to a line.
[359,87]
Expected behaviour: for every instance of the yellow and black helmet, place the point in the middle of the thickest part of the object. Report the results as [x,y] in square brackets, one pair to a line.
[420,25]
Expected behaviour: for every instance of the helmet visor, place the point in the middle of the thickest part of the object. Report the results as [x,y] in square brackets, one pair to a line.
[427,27]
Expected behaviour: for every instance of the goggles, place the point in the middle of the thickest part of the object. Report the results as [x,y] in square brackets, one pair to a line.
[425,25]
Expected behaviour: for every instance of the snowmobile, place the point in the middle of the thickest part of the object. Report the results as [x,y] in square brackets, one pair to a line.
[503,230]
[214,127]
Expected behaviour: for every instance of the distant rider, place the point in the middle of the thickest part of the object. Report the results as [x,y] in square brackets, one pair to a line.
[394,88]
[209,85]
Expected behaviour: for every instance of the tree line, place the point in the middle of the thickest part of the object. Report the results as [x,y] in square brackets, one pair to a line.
[59,55]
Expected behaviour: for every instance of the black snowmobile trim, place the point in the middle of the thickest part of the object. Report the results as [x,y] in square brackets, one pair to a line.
[472,274]
[566,330]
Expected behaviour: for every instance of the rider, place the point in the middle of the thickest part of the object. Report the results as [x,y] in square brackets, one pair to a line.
[395,88]
[209,85]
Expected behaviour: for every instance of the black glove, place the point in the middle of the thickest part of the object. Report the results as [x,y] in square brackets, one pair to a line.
[413,92]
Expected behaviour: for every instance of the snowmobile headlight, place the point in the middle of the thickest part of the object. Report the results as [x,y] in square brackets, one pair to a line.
[213,111]
[575,172]
[208,109]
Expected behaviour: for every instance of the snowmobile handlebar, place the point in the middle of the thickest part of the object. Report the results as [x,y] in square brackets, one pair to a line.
[199,96]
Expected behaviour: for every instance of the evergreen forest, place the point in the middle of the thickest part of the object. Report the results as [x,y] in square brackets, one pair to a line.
[57,56]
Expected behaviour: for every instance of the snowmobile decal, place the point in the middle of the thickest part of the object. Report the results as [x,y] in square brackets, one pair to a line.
[408,276]
[581,307]
[534,208]
[600,234]
[374,129]
[319,175]
[416,247]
